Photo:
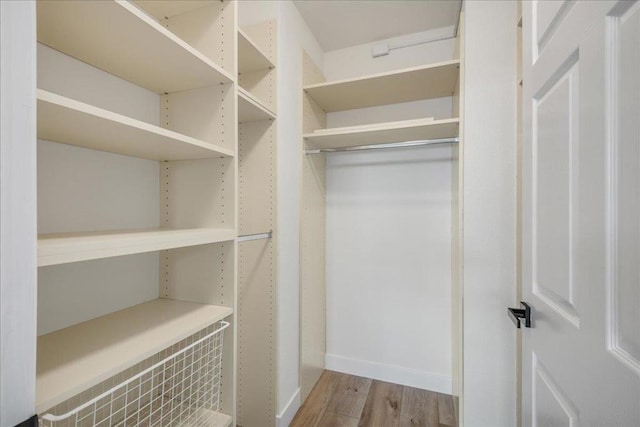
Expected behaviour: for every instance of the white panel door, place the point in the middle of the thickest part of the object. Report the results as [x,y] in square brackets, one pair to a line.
[581,213]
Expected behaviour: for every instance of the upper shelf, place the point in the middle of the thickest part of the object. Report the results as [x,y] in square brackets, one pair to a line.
[166,9]
[409,84]
[250,109]
[67,121]
[250,57]
[119,38]
[382,133]
[76,358]
[62,248]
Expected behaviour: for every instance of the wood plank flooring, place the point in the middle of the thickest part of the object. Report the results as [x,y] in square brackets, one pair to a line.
[342,400]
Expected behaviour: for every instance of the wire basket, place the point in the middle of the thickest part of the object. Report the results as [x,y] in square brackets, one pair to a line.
[181,389]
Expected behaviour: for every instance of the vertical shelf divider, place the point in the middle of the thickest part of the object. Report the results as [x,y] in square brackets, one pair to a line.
[257,213]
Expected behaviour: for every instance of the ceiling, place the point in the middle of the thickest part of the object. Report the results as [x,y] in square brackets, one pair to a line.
[342,23]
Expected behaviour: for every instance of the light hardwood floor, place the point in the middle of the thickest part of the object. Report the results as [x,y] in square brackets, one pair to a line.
[342,400]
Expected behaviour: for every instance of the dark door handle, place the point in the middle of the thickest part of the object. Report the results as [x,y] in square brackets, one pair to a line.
[518,314]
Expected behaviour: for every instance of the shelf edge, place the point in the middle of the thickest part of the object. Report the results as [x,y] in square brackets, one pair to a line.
[379,127]
[247,96]
[383,74]
[123,243]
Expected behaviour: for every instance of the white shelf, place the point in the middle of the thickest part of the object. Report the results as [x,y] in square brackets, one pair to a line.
[67,121]
[119,38]
[251,109]
[166,9]
[382,133]
[62,248]
[213,419]
[76,358]
[221,420]
[409,84]
[250,57]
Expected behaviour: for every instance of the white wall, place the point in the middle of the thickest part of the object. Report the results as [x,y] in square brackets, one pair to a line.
[489,213]
[357,60]
[17,212]
[389,236]
[293,36]
[389,265]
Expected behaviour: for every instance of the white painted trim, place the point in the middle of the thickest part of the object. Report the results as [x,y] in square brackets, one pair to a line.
[391,373]
[284,418]
[18,283]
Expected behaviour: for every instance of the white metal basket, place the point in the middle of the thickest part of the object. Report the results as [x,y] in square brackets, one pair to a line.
[181,389]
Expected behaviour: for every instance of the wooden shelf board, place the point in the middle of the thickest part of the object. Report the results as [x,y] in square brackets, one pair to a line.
[198,417]
[121,39]
[62,248]
[250,109]
[67,121]
[162,9]
[220,420]
[383,133]
[76,358]
[409,84]
[250,57]
[213,419]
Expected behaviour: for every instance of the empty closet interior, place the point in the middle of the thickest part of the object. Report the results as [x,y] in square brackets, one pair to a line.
[157,194]
[380,216]
[155,153]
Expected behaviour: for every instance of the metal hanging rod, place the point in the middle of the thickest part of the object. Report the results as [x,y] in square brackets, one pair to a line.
[256,236]
[403,144]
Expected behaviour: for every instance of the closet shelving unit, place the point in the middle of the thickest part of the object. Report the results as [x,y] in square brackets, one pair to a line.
[257,217]
[141,51]
[250,56]
[382,133]
[98,349]
[184,52]
[104,130]
[320,97]
[406,85]
[251,109]
[62,248]
[256,73]
[254,65]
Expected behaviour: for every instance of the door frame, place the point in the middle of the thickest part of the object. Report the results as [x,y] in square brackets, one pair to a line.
[18,224]
[488,160]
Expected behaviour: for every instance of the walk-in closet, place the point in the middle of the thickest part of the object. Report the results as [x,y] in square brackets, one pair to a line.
[157,213]
[259,213]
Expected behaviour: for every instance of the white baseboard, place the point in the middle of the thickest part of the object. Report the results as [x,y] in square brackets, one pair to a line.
[284,418]
[390,373]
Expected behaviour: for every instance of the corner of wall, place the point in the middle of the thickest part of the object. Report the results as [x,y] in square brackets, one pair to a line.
[18,282]
[284,418]
[293,36]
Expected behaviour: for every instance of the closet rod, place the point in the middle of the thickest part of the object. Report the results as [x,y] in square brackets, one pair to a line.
[384,146]
[256,236]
